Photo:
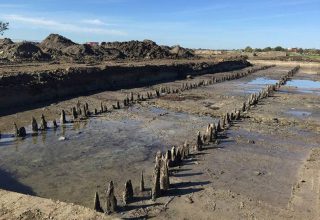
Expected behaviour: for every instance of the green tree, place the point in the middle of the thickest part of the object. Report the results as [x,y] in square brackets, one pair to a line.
[267,49]
[3,27]
[278,48]
[248,49]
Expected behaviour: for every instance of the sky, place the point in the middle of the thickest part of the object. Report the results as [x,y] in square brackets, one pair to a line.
[215,24]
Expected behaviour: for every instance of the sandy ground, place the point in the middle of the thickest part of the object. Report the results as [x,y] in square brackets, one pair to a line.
[19,206]
[266,166]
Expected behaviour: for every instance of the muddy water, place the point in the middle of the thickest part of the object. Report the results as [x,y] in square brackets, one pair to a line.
[95,151]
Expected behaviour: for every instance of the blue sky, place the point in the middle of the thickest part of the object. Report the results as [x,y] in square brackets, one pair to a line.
[218,24]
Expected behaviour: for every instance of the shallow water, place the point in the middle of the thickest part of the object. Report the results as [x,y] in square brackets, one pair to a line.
[263,81]
[304,84]
[94,151]
[298,113]
[253,86]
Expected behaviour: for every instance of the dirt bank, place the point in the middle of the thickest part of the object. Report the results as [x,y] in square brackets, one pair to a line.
[27,88]
[306,65]
[19,206]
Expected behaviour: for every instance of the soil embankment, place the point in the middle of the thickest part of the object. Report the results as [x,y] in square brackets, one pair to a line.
[20,206]
[305,65]
[27,88]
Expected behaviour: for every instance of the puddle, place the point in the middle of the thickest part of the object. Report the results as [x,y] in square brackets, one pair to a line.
[298,113]
[304,84]
[95,151]
[263,81]
[253,86]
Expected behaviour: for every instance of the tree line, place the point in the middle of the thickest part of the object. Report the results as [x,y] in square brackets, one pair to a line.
[279,48]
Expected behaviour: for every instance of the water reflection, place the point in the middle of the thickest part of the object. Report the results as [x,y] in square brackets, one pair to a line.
[263,81]
[304,84]
[298,113]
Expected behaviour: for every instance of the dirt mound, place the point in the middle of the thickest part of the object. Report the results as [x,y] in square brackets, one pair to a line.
[23,51]
[58,48]
[146,49]
[181,52]
[56,42]
[78,50]
[5,41]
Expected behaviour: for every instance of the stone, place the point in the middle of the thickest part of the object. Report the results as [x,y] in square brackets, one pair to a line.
[62,138]
[142,189]
[63,117]
[34,125]
[128,193]
[97,205]
[111,204]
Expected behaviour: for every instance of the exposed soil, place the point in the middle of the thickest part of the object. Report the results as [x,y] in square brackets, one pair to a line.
[266,166]
[60,49]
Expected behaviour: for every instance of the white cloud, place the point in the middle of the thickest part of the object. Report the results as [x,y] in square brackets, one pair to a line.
[94,22]
[60,26]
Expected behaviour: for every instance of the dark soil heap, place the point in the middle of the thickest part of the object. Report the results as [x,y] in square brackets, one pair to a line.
[181,52]
[22,51]
[146,49]
[56,42]
[58,48]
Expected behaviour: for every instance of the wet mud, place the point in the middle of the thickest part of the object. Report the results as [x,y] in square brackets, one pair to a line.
[252,173]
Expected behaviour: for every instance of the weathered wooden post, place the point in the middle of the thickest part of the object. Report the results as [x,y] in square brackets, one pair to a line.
[97,205]
[111,199]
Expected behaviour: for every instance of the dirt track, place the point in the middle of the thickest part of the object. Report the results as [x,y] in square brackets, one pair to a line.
[265,168]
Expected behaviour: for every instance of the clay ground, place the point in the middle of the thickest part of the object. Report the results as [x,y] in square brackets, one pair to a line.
[266,166]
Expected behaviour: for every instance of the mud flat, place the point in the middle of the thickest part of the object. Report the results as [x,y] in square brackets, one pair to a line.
[266,166]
